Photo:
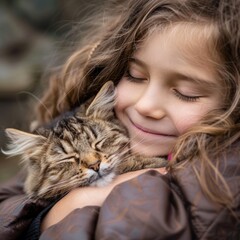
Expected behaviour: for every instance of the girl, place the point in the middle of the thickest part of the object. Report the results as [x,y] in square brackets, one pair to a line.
[175,64]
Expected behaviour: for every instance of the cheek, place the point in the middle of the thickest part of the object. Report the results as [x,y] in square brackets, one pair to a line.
[184,123]
[189,116]
[121,104]
[123,98]
[128,93]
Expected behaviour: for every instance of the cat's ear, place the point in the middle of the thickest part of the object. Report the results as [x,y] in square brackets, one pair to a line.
[103,104]
[20,141]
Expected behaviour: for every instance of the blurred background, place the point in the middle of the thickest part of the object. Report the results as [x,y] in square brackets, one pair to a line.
[33,34]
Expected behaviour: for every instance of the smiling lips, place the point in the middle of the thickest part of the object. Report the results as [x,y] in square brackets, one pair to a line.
[146,130]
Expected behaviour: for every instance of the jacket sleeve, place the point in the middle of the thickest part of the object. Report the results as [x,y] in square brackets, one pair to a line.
[16,210]
[210,220]
[155,206]
[146,207]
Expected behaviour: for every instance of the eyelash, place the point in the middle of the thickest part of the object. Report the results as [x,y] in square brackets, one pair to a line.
[131,78]
[177,93]
[186,98]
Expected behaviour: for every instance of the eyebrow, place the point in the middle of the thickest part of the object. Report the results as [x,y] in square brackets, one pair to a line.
[184,77]
[138,62]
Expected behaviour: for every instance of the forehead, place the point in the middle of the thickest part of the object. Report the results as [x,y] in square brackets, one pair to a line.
[193,40]
[196,42]
[185,45]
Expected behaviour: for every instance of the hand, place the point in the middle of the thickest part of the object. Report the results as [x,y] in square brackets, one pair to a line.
[86,196]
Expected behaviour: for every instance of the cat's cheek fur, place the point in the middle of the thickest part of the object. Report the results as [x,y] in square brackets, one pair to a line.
[103,181]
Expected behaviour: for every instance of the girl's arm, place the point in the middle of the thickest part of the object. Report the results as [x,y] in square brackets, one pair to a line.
[87,196]
[154,206]
[144,207]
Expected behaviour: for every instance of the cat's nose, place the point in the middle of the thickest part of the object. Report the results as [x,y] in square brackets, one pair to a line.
[95,166]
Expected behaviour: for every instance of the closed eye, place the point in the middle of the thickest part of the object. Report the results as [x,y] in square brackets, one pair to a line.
[132,78]
[73,157]
[186,98]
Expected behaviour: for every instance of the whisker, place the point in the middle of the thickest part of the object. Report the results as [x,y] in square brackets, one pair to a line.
[72,183]
[38,100]
[73,87]
[122,153]
[22,200]
[137,143]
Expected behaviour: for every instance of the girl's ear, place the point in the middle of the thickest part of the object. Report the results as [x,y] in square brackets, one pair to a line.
[103,104]
[20,141]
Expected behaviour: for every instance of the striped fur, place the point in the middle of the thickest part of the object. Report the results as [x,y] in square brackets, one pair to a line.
[79,150]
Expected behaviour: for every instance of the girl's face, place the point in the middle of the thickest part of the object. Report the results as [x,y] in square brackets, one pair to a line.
[171,82]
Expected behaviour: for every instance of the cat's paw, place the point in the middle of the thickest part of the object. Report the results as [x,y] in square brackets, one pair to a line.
[155,162]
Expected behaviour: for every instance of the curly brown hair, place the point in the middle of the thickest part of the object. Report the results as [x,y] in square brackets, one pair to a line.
[103,55]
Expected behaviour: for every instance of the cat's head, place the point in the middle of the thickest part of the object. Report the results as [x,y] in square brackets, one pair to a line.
[81,149]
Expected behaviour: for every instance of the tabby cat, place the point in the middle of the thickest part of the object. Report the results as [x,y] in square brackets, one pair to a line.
[84,148]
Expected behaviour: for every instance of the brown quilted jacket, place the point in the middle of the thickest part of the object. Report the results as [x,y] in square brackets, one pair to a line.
[150,206]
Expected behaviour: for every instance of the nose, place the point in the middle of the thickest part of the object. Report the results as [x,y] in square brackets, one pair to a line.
[150,103]
[95,166]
